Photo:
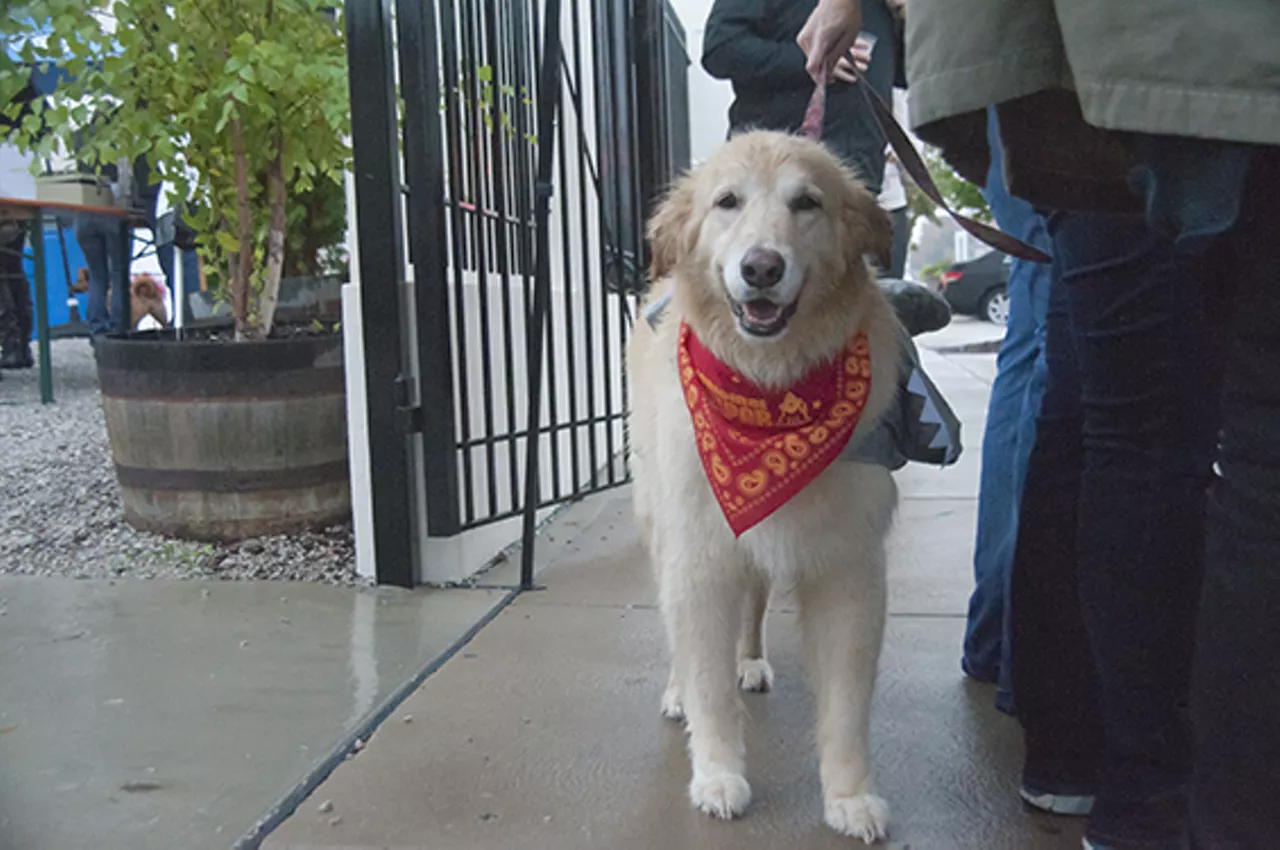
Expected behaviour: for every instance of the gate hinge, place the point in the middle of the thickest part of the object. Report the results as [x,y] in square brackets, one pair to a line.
[410,415]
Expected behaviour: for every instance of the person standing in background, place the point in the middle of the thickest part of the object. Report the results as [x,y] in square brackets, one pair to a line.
[148,194]
[16,312]
[752,44]
[893,200]
[15,299]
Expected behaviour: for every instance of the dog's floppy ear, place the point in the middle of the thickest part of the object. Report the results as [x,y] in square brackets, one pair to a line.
[868,230]
[671,231]
[144,289]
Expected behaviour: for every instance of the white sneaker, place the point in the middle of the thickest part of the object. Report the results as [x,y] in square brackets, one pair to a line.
[1074,805]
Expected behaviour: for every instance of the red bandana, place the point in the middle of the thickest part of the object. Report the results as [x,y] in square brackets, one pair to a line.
[761,447]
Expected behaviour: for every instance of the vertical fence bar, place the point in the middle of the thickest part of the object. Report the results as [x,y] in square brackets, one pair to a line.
[376,166]
[613,106]
[548,100]
[570,339]
[479,253]
[457,244]
[424,170]
[500,252]
[520,61]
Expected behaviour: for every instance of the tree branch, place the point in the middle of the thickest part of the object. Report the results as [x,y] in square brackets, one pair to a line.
[275,243]
[244,224]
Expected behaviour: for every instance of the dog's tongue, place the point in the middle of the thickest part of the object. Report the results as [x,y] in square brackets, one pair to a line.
[761,310]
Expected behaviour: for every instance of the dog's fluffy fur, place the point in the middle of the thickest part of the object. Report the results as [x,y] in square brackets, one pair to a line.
[828,542]
[147,300]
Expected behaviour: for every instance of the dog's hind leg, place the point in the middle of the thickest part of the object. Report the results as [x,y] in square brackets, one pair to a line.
[842,611]
[754,672]
[701,604]
[672,697]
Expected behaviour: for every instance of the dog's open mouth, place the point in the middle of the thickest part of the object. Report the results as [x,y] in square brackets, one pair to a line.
[761,317]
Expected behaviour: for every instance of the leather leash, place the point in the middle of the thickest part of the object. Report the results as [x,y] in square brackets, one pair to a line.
[914,165]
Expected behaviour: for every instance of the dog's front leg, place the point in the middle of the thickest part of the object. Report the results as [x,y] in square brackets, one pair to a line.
[754,672]
[702,605]
[842,611]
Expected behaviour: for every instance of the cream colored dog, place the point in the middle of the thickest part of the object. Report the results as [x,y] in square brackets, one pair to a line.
[761,248]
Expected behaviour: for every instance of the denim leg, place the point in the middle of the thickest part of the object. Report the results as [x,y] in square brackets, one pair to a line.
[1041,284]
[1009,435]
[1149,377]
[1235,702]
[92,238]
[993,546]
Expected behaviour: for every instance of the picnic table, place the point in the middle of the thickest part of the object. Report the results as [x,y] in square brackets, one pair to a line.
[36,211]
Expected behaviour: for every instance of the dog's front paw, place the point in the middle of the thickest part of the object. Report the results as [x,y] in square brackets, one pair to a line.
[672,706]
[755,675]
[721,795]
[865,816]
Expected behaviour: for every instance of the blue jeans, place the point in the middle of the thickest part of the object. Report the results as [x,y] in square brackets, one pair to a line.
[1111,545]
[95,236]
[1007,441]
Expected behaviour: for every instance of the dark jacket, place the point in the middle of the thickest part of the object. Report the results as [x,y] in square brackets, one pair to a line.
[752,44]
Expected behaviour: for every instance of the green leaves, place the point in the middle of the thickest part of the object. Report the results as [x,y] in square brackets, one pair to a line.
[227,242]
[501,99]
[173,75]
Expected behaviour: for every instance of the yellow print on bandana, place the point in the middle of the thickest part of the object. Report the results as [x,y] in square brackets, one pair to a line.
[794,411]
[737,408]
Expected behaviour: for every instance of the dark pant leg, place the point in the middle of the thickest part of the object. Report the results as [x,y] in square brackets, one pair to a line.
[901,242]
[1053,674]
[15,298]
[1236,686]
[1149,381]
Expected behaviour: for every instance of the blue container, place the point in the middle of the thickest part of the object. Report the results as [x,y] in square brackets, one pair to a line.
[56,271]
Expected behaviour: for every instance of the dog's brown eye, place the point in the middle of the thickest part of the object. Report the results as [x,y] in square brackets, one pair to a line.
[802,203]
[727,201]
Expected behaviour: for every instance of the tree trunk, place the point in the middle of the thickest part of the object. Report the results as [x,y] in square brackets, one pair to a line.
[275,244]
[243,273]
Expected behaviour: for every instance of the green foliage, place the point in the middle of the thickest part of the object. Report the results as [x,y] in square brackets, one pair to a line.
[961,195]
[493,98]
[918,206]
[240,104]
[317,226]
[933,272]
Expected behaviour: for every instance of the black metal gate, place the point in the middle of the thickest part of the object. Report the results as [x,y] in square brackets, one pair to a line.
[497,277]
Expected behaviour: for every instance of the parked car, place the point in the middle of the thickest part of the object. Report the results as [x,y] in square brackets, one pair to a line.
[977,287]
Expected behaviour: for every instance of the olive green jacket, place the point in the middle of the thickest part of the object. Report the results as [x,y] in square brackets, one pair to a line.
[1072,77]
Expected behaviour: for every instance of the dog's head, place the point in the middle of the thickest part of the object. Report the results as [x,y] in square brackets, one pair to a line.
[148,300]
[769,232]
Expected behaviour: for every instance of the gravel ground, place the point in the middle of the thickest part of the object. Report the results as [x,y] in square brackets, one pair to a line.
[60,511]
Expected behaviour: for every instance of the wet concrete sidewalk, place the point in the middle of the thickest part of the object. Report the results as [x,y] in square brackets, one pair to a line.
[157,715]
[544,732]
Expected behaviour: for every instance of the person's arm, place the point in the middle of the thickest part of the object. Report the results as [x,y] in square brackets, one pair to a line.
[733,48]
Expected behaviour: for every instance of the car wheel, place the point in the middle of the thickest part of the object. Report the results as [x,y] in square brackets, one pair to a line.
[995,306]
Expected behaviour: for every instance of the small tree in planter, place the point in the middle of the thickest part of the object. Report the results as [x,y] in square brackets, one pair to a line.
[240,106]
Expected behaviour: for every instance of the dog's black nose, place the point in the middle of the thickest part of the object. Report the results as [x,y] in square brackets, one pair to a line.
[763,267]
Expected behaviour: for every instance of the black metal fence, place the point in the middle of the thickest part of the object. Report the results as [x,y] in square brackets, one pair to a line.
[471,104]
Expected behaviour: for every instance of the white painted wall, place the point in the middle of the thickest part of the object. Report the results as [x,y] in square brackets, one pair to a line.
[709,98]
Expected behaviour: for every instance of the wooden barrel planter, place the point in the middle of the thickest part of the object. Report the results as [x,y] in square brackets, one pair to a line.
[225,441]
